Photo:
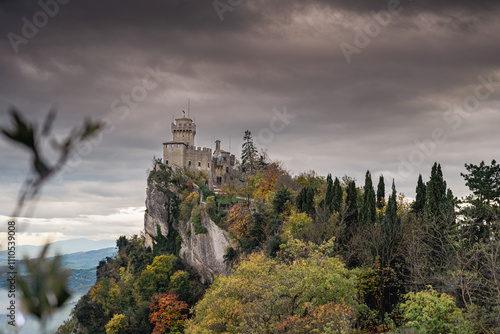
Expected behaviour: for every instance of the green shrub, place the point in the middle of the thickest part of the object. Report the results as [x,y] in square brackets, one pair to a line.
[431,312]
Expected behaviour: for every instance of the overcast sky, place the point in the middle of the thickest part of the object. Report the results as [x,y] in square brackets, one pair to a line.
[335,86]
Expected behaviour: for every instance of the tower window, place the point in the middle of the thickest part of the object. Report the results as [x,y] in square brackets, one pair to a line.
[199,163]
[189,164]
[227,169]
[209,165]
[166,162]
[178,145]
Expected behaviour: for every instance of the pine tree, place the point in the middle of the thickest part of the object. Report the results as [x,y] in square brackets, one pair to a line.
[368,210]
[380,192]
[351,203]
[419,203]
[248,153]
[329,193]
[337,196]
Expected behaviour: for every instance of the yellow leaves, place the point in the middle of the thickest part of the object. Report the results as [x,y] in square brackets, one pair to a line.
[116,324]
[262,292]
[298,224]
[239,220]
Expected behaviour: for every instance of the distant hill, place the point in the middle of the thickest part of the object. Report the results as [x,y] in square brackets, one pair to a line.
[82,264]
[61,247]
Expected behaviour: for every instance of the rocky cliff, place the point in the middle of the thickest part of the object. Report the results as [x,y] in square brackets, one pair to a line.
[203,251]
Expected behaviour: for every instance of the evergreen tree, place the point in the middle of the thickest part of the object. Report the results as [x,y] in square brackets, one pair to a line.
[351,204]
[248,153]
[368,210]
[435,193]
[329,193]
[439,220]
[391,213]
[305,200]
[380,192]
[282,196]
[337,196]
[419,203]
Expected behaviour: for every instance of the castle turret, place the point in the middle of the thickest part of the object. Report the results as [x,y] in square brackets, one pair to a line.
[184,130]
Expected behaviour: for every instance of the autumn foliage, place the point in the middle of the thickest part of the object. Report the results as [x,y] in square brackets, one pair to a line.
[167,313]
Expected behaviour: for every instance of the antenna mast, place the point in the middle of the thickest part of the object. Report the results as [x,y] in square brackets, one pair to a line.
[189,107]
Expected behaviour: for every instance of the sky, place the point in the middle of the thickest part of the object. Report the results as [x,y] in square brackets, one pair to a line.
[335,86]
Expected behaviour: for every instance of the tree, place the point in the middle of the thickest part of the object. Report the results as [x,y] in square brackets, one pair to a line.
[167,313]
[248,153]
[282,196]
[368,211]
[239,220]
[418,205]
[329,193]
[435,193]
[337,196]
[380,192]
[302,287]
[305,200]
[430,312]
[156,277]
[117,324]
[351,203]
[484,181]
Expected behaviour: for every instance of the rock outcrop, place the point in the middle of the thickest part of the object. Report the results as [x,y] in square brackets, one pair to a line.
[204,251]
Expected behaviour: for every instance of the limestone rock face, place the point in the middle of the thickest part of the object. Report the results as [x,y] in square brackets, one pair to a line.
[204,252]
[156,214]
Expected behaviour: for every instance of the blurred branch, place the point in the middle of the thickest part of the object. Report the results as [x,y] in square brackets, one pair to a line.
[28,136]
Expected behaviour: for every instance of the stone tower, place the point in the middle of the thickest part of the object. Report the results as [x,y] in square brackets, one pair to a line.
[184,131]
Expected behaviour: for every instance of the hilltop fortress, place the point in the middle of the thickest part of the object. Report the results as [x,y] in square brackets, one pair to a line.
[182,152]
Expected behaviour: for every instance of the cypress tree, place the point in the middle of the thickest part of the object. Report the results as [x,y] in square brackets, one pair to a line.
[380,192]
[391,213]
[419,203]
[337,196]
[351,204]
[329,193]
[435,195]
[368,209]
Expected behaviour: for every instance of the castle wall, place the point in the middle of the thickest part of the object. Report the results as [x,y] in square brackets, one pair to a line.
[173,154]
[178,154]
[198,158]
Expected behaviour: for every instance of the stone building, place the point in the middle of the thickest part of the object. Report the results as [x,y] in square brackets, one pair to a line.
[182,152]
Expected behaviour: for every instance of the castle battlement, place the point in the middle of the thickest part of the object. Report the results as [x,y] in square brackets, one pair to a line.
[182,152]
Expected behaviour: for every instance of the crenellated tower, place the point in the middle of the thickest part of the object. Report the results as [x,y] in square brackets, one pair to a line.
[184,131]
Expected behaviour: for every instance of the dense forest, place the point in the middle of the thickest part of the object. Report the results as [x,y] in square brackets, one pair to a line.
[310,254]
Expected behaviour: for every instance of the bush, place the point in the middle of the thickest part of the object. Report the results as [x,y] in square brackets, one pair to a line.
[430,312]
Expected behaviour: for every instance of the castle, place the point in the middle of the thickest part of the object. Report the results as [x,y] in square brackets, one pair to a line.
[182,152]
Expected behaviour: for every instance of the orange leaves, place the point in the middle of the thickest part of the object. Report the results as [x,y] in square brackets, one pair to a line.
[239,220]
[271,174]
[336,318]
[167,313]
